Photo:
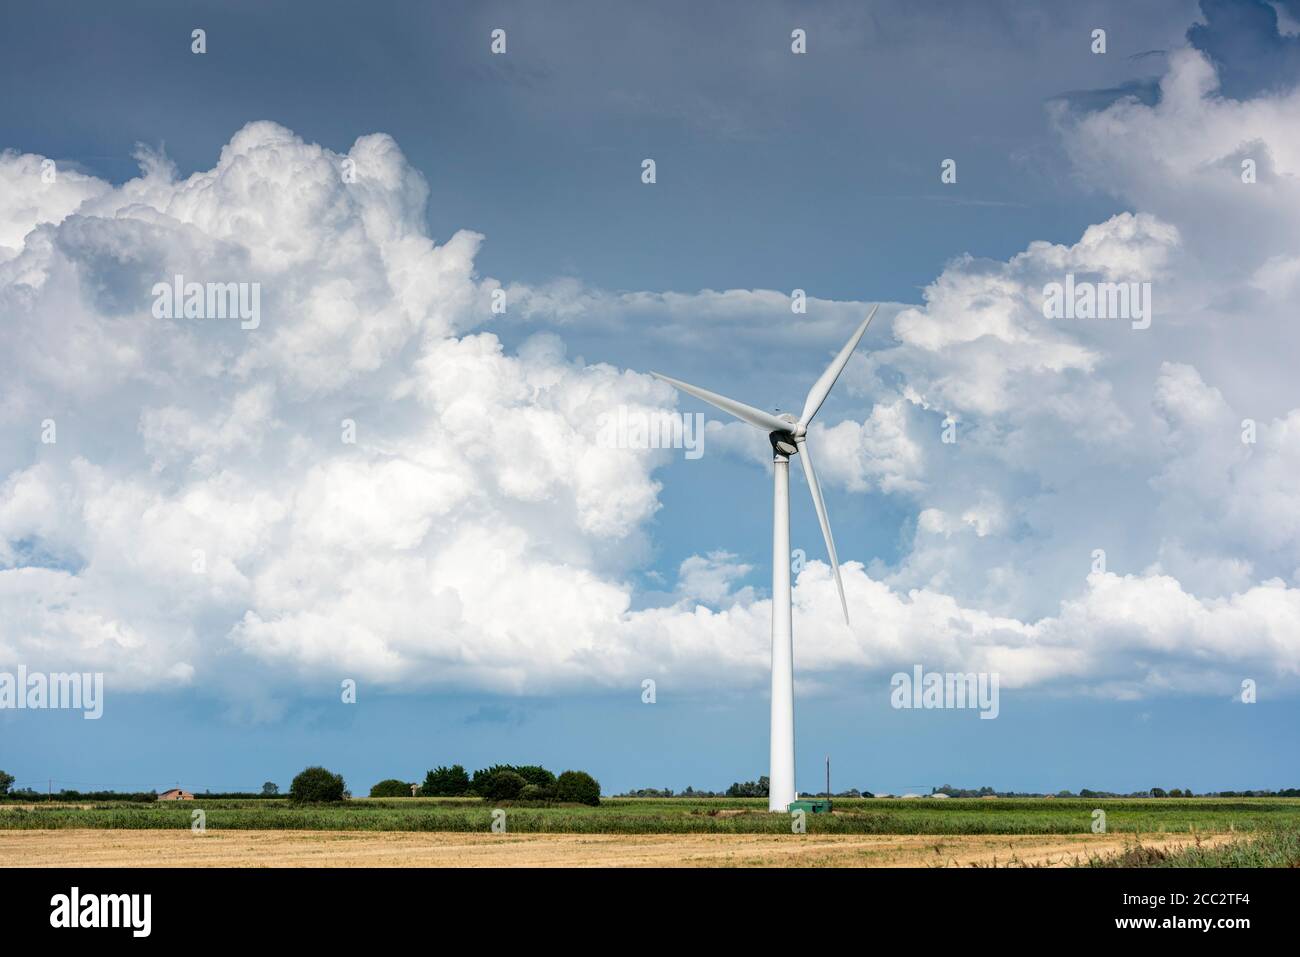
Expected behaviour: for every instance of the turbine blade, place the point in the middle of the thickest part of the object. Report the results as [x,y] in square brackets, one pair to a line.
[819,504]
[822,387]
[746,413]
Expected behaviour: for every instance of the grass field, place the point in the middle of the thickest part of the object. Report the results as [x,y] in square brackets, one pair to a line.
[683,816]
[1270,847]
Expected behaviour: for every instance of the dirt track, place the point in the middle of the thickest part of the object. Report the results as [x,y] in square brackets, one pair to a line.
[122,848]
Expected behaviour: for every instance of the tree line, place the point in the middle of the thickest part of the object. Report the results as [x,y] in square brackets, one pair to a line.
[534,783]
[318,785]
[499,782]
[759,789]
[738,789]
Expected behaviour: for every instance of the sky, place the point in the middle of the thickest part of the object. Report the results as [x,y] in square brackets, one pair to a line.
[1111,529]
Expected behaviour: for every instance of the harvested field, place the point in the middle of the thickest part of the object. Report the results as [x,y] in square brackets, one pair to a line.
[300,848]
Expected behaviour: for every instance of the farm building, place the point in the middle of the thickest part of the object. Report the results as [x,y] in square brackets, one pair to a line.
[176,794]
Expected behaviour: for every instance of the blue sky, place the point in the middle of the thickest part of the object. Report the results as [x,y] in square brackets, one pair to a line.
[774,172]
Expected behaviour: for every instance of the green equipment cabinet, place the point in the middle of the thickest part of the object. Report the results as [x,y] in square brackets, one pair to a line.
[811,807]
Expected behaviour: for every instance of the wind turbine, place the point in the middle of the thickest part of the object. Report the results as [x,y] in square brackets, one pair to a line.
[788,437]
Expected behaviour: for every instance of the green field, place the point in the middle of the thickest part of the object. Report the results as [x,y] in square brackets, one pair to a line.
[1270,847]
[684,815]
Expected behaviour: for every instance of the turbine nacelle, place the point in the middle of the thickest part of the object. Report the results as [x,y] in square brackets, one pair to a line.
[785,442]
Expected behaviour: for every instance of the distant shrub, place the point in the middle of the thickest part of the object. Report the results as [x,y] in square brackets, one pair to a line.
[502,786]
[446,782]
[391,788]
[533,792]
[317,785]
[578,787]
[27,794]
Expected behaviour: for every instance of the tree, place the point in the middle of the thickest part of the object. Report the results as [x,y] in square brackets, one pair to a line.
[270,789]
[578,787]
[391,788]
[535,774]
[749,789]
[502,786]
[317,785]
[6,781]
[446,782]
[483,776]
[1158,792]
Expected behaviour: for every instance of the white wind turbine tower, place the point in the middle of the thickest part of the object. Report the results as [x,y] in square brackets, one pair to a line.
[788,437]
